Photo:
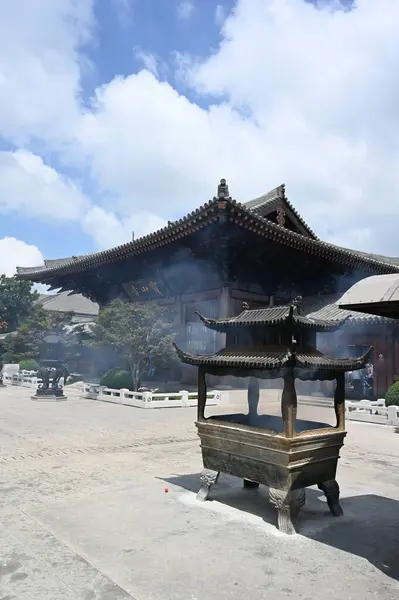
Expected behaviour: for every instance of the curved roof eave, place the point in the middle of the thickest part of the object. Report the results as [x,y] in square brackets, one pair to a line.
[198,219]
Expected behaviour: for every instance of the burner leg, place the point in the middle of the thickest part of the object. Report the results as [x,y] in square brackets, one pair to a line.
[208,478]
[331,491]
[250,485]
[288,504]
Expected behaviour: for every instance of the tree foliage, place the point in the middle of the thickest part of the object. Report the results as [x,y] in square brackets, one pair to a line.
[141,333]
[392,395]
[28,364]
[16,302]
[117,379]
[27,341]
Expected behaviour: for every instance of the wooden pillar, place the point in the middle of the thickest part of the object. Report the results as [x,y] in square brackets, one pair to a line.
[339,401]
[390,361]
[224,312]
[201,393]
[289,404]
[253,400]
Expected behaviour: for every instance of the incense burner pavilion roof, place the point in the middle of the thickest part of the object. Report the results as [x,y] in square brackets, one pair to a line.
[273,357]
[273,316]
[252,216]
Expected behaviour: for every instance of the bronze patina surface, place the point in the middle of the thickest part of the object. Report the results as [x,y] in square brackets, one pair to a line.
[50,373]
[283,453]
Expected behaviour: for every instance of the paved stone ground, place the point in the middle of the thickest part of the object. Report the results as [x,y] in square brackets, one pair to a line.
[84,514]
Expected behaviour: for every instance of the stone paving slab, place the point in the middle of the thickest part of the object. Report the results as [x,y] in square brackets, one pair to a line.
[84,513]
[35,565]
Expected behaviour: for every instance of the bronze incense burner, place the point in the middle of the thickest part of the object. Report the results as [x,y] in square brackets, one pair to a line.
[283,453]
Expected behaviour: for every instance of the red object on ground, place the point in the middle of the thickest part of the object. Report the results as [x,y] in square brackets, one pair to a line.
[166,490]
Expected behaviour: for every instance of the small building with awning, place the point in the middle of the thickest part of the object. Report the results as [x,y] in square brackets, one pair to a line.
[377,295]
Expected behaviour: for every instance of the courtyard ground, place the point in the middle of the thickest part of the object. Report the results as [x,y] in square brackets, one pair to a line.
[84,514]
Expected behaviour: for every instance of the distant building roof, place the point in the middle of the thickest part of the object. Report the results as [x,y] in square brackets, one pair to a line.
[64,302]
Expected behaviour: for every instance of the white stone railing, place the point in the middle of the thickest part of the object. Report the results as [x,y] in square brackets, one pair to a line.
[150,399]
[372,412]
[23,378]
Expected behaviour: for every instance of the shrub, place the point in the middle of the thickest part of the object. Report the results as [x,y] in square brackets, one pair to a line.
[392,395]
[28,364]
[117,379]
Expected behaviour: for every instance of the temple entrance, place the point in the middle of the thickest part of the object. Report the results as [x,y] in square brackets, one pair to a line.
[359,385]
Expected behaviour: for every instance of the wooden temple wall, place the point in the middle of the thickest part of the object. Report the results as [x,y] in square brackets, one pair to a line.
[384,341]
[219,303]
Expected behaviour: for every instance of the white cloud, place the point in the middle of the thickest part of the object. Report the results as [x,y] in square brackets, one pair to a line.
[28,187]
[185,9]
[14,253]
[109,230]
[300,95]
[147,59]
[220,14]
[303,96]
[154,150]
[39,67]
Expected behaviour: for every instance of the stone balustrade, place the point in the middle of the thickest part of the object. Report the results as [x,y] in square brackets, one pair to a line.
[179,399]
[23,378]
[372,412]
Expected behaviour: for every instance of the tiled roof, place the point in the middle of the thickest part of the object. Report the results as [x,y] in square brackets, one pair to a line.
[273,358]
[204,216]
[392,260]
[269,202]
[326,308]
[69,303]
[51,263]
[271,316]
[267,199]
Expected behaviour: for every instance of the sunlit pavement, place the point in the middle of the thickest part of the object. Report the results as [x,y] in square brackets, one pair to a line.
[98,502]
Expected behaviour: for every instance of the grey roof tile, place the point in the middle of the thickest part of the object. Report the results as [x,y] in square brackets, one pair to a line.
[326,308]
[272,358]
[198,219]
[269,202]
[272,316]
[69,303]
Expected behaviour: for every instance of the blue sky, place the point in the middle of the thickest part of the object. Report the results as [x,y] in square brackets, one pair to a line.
[117,115]
[121,30]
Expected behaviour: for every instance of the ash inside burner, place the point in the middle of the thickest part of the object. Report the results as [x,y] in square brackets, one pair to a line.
[269,422]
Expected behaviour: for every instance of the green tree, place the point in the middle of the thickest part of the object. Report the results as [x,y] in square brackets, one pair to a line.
[16,302]
[141,333]
[27,341]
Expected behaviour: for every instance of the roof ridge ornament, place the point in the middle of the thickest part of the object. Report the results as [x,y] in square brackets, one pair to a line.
[296,305]
[223,190]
